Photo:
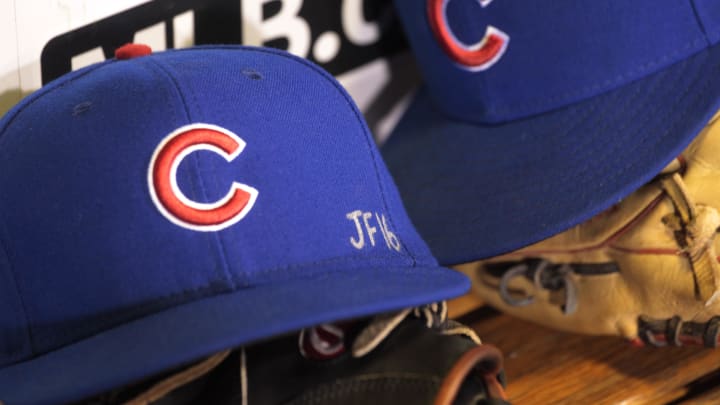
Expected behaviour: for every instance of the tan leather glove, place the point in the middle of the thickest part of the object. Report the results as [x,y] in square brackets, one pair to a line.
[647,269]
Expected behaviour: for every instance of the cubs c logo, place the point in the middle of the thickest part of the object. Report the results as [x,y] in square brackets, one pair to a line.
[476,57]
[169,199]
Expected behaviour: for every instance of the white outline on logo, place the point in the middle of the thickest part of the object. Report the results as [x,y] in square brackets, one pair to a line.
[490,30]
[194,204]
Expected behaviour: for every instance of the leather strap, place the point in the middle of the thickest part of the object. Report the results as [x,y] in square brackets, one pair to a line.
[695,230]
[487,359]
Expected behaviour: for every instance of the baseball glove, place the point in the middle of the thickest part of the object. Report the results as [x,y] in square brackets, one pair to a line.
[414,356]
[647,269]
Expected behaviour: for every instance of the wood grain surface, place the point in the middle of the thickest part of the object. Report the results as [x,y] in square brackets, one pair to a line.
[545,366]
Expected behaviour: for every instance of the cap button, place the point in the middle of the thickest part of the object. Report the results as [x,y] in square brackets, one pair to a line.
[130,51]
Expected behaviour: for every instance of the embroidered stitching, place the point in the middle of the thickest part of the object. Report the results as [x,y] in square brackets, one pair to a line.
[4,247]
[223,251]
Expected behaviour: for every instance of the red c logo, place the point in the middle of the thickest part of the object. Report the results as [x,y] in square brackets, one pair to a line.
[169,199]
[476,57]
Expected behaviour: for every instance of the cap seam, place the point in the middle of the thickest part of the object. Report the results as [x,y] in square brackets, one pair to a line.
[118,320]
[28,330]
[678,101]
[609,82]
[205,291]
[627,101]
[700,23]
[8,120]
[350,104]
[672,127]
[188,116]
[701,75]
[31,99]
[351,258]
[368,137]
[676,122]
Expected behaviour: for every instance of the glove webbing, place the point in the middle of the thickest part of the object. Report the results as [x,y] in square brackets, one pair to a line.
[695,227]
[545,275]
[673,331]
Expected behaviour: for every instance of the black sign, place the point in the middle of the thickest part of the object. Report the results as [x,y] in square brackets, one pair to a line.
[339,35]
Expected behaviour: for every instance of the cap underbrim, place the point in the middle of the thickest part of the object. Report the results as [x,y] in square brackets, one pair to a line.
[188,332]
[476,191]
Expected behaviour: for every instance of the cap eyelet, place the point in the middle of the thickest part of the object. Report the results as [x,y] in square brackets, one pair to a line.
[252,74]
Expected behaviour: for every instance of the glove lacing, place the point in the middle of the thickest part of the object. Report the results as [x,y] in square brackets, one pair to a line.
[544,276]
[695,227]
[382,325]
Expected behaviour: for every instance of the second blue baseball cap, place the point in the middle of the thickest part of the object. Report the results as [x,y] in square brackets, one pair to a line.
[160,208]
[535,116]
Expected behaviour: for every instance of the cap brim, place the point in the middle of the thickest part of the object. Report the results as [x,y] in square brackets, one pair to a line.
[477,191]
[185,333]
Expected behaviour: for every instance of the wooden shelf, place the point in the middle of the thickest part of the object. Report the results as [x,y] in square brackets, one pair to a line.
[545,366]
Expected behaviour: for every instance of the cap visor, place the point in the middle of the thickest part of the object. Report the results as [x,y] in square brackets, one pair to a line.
[185,333]
[477,191]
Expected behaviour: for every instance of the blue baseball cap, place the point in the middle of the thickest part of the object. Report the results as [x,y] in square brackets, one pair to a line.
[160,208]
[535,116]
